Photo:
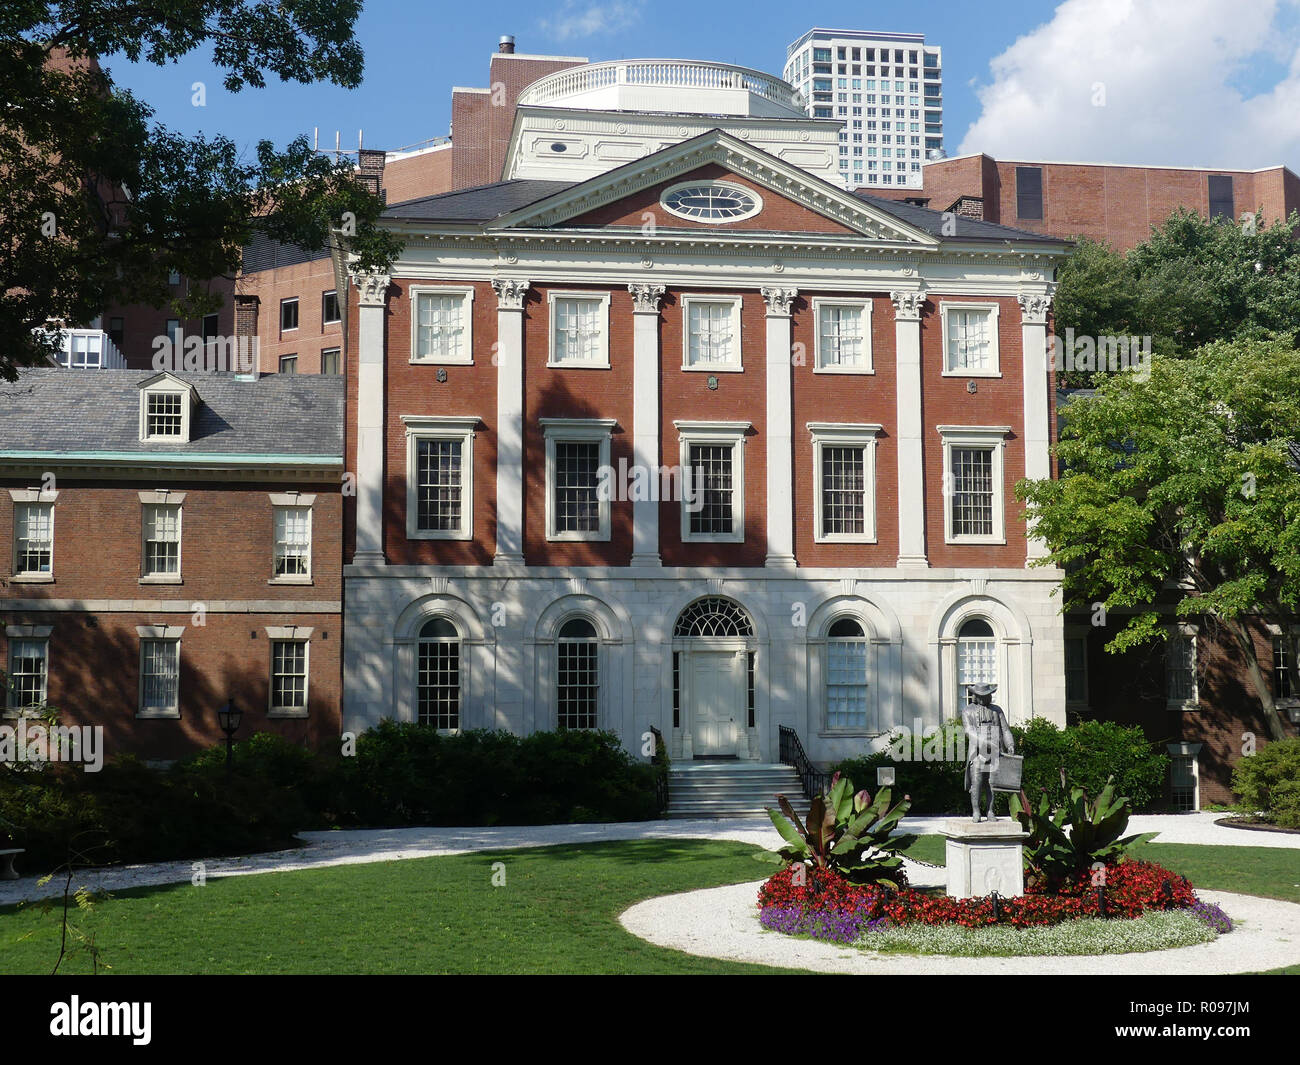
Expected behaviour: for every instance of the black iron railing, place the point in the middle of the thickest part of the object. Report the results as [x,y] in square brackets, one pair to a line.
[660,761]
[792,753]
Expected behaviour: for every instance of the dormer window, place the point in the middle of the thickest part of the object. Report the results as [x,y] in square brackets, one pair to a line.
[166,403]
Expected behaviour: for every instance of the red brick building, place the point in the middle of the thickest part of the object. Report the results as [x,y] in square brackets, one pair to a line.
[172,541]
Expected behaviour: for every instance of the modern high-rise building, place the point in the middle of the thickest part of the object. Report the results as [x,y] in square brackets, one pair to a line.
[887,89]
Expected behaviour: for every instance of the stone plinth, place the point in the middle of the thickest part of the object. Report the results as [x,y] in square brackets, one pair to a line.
[985,857]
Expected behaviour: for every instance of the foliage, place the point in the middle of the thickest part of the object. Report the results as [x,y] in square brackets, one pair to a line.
[1067,841]
[1090,753]
[1179,499]
[100,202]
[934,785]
[1268,782]
[845,832]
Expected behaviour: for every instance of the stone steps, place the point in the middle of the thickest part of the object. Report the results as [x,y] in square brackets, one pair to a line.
[729,789]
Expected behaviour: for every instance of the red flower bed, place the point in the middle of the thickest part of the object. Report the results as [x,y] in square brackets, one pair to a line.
[1130,888]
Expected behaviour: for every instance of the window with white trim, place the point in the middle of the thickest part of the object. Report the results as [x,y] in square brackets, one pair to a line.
[160,675]
[974,507]
[577,674]
[1180,670]
[33,539]
[977,658]
[847,663]
[711,334]
[28,670]
[438,675]
[292,556]
[441,324]
[713,481]
[162,540]
[166,403]
[329,307]
[844,482]
[289,677]
[970,339]
[577,451]
[439,477]
[579,329]
[843,336]
[289,315]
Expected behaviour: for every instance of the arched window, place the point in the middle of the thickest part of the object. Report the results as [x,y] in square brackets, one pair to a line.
[577,674]
[713,616]
[846,675]
[438,687]
[977,657]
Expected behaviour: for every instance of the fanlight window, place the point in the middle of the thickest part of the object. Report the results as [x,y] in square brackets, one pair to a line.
[714,616]
[714,202]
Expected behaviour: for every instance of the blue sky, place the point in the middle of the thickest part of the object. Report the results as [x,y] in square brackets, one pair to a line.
[1021,77]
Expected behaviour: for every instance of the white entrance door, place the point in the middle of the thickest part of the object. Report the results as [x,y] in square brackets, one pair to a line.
[717,701]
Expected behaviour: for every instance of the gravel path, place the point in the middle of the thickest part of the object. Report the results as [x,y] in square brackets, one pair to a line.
[397,844]
[723,923]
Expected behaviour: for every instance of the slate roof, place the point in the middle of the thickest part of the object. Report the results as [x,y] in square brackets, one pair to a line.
[931,222]
[482,203]
[60,410]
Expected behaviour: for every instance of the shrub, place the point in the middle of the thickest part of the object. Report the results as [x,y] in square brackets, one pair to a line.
[1067,840]
[1091,753]
[1268,782]
[935,786]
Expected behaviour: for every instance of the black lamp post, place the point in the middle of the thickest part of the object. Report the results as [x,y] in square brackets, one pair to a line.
[230,716]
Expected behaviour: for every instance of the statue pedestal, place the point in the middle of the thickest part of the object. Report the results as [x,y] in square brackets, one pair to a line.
[985,857]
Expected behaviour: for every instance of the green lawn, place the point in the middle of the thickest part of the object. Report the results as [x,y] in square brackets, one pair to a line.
[556,913]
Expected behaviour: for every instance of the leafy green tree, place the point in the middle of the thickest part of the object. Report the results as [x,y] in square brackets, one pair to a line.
[98,202]
[1181,490]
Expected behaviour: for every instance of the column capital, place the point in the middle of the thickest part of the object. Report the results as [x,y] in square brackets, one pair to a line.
[511,293]
[1034,307]
[779,300]
[372,287]
[646,297]
[908,304]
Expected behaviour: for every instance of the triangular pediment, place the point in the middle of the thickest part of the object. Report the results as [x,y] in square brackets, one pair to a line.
[792,200]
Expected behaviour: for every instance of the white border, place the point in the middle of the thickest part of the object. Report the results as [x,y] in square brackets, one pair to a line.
[599,363]
[439,427]
[576,430]
[414,292]
[995,349]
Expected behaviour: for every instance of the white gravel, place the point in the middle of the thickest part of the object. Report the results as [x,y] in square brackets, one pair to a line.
[723,923]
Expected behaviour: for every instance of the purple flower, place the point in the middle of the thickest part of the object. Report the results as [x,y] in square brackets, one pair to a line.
[834,926]
[1212,915]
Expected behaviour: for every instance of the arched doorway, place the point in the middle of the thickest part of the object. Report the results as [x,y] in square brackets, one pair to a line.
[714,659]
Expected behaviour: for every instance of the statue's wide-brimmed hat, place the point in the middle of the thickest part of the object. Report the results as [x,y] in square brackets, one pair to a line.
[982,689]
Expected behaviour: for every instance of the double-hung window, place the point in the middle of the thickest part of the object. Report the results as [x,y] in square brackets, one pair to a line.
[29,654]
[439,477]
[711,335]
[161,535]
[712,481]
[33,553]
[160,670]
[843,335]
[291,532]
[289,670]
[578,479]
[1181,689]
[844,482]
[847,666]
[577,664]
[580,329]
[970,339]
[972,484]
[441,324]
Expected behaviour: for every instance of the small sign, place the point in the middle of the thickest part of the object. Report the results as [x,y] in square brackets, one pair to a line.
[885,777]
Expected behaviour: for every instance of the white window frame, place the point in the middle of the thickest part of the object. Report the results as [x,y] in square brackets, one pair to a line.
[288,634]
[282,501]
[440,427]
[25,497]
[466,292]
[1190,751]
[995,355]
[163,497]
[844,434]
[168,634]
[186,398]
[1291,643]
[705,183]
[871,715]
[338,303]
[576,430]
[30,634]
[992,437]
[737,365]
[297,316]
[733,433]
[868,366]
[601,362]
[1189,633]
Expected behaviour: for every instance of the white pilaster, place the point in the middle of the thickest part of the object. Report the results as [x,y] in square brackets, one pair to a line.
[511,294]
[1033,338]
[911,467]
[372,290]
[645,418]
[779,427]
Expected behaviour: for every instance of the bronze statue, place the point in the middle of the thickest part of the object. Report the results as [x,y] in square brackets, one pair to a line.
[989,737]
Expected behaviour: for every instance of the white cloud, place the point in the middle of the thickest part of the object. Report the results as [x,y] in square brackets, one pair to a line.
[574,19]
[1165,70]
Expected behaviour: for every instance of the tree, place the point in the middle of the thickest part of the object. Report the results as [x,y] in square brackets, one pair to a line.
[99,203]
[1181,490]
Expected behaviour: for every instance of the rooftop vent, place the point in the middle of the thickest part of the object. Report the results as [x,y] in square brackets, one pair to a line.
[506,44]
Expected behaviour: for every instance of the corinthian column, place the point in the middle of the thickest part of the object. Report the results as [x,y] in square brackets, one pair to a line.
[779,427]
[372,290]
[511,294]
[645,418]
[1033,341]
[911,480]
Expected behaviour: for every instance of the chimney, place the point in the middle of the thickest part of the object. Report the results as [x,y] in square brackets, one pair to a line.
[968,206]
[506,45]
[370,163]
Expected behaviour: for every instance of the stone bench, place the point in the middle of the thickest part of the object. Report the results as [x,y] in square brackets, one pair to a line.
[7,870]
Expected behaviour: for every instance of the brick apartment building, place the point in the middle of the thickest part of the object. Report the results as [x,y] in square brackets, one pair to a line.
[172,541]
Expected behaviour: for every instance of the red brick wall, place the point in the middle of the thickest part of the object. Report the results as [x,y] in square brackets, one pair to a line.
[308,282]
[425,174]
[142,325]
